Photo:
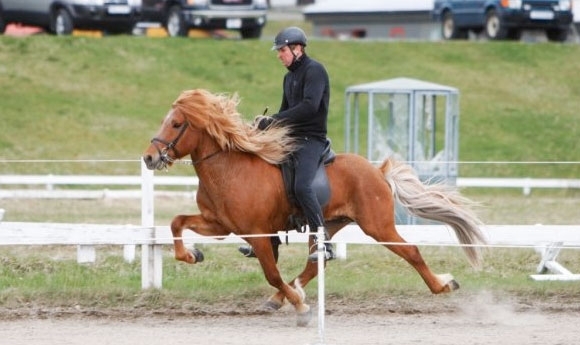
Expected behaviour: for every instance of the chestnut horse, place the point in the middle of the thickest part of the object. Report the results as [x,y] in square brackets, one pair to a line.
[241,191]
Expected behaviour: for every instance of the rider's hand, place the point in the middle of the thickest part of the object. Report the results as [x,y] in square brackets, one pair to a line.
[262,122]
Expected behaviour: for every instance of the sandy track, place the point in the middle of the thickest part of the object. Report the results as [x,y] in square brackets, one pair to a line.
[476,322]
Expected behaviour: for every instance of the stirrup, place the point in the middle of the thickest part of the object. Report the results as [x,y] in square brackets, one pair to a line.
[247,251]
[328,254]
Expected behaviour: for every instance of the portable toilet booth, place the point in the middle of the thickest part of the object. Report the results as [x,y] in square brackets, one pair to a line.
[414,120]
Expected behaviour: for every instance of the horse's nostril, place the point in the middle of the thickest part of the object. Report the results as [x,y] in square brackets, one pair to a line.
[148,160]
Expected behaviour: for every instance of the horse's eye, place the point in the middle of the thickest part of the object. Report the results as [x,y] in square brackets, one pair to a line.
[176,125]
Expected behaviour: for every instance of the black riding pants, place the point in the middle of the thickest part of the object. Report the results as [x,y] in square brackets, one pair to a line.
[306,160]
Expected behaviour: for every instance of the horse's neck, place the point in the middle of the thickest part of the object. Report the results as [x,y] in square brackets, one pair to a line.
[229,168]
[212,162]
[206,149]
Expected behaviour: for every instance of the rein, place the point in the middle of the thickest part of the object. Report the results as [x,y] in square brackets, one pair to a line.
[204,158]
[186,162]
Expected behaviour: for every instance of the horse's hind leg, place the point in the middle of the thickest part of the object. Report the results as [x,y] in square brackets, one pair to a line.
[437,283]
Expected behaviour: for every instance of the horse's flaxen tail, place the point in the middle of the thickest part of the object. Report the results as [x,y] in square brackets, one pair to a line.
[438,202]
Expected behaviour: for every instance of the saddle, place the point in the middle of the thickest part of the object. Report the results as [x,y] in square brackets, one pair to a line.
[296,221]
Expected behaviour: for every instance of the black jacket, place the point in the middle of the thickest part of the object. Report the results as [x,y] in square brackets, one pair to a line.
[305,100]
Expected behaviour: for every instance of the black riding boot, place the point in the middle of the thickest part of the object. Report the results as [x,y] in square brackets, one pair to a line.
[248,251]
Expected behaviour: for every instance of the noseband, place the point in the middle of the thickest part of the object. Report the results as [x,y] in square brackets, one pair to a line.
[164,153]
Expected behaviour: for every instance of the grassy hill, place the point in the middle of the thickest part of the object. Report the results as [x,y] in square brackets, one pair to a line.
[82,98]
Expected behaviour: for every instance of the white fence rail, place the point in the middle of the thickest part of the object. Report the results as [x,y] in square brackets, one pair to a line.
[547,239]
[526,184]
[50,182]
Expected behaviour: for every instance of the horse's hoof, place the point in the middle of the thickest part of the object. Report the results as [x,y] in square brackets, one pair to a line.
[198,255]
[447,282]
[303,319]
[271,306]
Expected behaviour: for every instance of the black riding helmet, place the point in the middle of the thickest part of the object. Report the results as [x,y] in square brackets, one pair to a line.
[291,35]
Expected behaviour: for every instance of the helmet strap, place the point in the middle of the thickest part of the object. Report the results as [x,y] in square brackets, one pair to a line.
[294,56]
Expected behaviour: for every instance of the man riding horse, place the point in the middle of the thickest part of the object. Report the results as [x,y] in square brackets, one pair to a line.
[304,109]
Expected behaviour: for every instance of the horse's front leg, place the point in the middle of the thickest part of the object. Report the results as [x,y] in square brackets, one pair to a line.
[295,295]
[195,223]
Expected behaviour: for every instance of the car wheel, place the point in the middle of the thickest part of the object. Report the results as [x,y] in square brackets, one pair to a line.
[494,29]
[557,35]
[62,23]
[175,24]
[448,29]
[249,33]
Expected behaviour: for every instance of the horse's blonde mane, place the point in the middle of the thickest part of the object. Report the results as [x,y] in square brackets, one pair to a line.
[217,115]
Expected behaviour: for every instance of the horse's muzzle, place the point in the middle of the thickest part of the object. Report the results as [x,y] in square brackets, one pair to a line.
[154,163]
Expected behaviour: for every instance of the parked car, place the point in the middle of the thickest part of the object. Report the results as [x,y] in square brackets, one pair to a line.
[503,19]
[61,17]
[179,16]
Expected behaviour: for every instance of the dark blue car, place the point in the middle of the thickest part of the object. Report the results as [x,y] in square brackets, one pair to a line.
[503,19]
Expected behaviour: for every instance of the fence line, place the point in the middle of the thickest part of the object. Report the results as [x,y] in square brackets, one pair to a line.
[87,236]
[51,181]
[151,238]
[521,236]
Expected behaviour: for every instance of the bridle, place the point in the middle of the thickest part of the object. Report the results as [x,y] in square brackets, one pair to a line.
[170,145]
[164,153]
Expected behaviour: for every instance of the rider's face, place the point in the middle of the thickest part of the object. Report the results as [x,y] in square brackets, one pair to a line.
[285,54]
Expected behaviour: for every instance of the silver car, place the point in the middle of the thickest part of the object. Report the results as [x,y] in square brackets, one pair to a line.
[61,17]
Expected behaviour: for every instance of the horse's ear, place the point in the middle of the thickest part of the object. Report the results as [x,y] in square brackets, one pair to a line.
[386,166]
[194,105]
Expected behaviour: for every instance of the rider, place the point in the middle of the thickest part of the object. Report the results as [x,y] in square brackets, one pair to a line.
[304,108]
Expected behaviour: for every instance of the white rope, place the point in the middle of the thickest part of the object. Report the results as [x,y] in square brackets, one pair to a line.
[488,162]
[183,161]
[418,243]
[69,160]
[155,240]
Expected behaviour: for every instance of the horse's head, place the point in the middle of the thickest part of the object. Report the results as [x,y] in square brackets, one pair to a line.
[193,114]
[171,142]
[202,124]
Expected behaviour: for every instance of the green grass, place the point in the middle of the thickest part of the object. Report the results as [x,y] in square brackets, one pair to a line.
[82,98]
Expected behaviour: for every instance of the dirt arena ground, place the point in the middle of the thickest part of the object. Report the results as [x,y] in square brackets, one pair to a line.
[476,321]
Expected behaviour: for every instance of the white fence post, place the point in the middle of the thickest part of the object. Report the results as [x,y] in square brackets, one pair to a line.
[321,251]
[341,251]
[548,263]
[86,254]
[129,253]
[151,254]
